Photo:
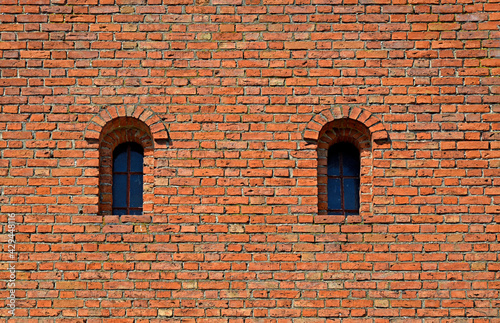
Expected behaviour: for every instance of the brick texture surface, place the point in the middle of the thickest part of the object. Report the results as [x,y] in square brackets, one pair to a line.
[236,102]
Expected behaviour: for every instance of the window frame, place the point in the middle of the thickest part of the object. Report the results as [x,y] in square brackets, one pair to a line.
[129,146]
[355,133]
[343,149]
[114,133]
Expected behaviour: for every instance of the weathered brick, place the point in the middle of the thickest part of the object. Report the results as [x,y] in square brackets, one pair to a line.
[236,104]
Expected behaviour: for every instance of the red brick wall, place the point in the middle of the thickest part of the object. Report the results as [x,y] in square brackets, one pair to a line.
[236,98]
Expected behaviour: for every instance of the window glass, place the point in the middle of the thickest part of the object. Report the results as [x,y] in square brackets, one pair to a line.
[136,160]
[120,159]
[135,190]
[135,212]
[334,164]
[119,190]
[351,193]
[334,194]
[120,211]
[128,164]
[343,179]
[350,158]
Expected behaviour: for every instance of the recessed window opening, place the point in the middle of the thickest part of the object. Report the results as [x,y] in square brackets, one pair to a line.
[128,164]
[343,179]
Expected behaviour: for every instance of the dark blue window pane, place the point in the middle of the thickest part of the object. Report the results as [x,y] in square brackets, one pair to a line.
[334,194]
[135,190]
[136,159]
[351,193]
[128,158]
[119,212]
[119,190]
[350,165]
[120,159]
[343,179]
[333,163]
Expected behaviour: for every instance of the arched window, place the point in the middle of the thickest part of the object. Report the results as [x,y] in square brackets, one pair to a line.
[348,140]
[343,179]
[128,164]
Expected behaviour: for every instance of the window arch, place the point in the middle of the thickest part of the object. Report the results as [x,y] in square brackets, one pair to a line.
[127,187]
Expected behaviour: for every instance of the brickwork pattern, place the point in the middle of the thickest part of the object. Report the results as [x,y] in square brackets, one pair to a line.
[236,102]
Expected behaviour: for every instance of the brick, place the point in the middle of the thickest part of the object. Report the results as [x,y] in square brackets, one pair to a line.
[236,104]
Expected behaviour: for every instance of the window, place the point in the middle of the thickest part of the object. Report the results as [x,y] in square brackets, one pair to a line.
[128,161]
[348,144]
[343,179]
[132,192]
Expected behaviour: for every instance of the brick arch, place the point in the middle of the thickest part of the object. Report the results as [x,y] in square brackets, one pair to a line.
[318,124]
[157,128]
